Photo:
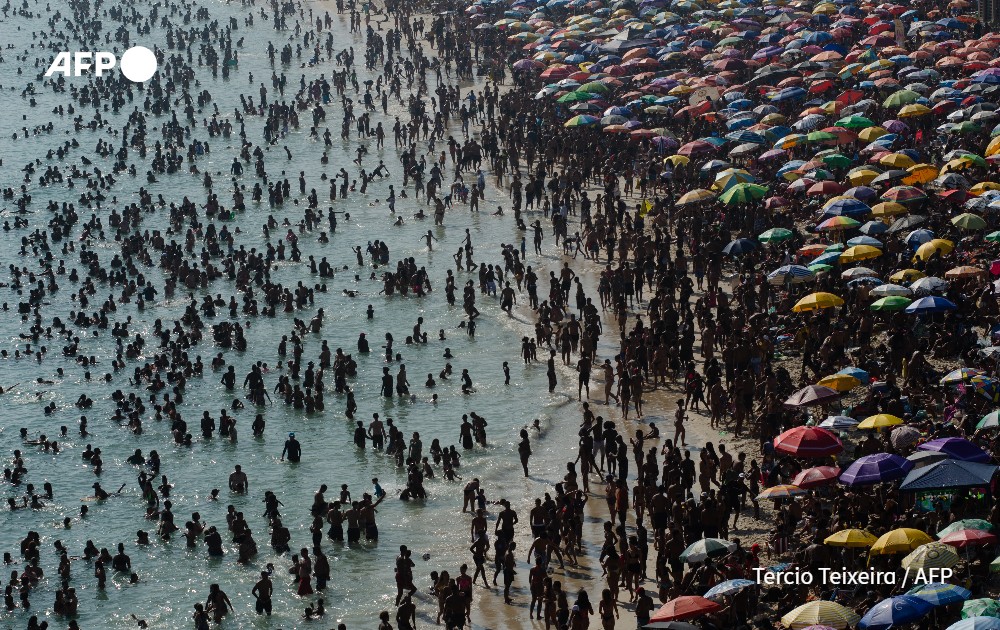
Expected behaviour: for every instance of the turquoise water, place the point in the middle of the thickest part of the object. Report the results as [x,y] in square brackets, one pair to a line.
[172,578]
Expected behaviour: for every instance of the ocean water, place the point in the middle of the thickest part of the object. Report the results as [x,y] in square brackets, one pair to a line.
[173,578]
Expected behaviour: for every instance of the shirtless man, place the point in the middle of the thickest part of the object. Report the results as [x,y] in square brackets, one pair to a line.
[238,481]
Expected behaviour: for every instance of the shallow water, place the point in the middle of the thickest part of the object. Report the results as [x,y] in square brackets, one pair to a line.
[173,578]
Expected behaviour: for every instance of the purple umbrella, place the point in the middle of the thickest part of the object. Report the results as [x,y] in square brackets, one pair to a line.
[957,448]
[665,142]
[770,51]
[874,469]
[895,126]
[772,154]
[864,193]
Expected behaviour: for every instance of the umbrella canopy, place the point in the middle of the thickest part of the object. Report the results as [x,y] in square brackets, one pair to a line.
[957,448]
[729,587]
[969,538]
[686,607]
[816,476]
[900,540]
[976,623]
[812,395]
[929,305]
[876,468]
[934,555]
[699,550]
[817,301]
[939,593]
[948,474]
[808,442]
[780,492]
[840,382]
[820,612]
[790,274]
[983,607]
[852,538]
[879,421]
[894,612]
[839,423]
[966,523]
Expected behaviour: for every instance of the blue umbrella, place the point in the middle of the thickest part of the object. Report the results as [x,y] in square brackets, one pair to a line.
[976,623]
[894,612]
[740,246]
[874,227]
[729,587]
[866,240]
[847,208]
[939,593]
[790,274]
[957,448]
[829,258]
[875,468]
[930,304]
[857,373]
[916,238]
[789,94]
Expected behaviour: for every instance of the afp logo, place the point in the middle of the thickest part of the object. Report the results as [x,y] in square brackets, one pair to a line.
[138,63]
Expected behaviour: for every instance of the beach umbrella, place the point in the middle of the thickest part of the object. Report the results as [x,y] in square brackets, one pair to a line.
[816,476]
[885,290]
[940,593]
[817,301]
[983,607]
[932,304]
[780,492]
[904,437]
[839,423]
[854,122]
[966,523]
[839,382]
[729,587]
[697,195]
[880,421]
[933,555]
[706,548]
[969,221]
[672,625]
[906,275]
[876,468]
[900,540]
[930,284]
[820,612]
[775,235]
[960,375]
[948,474]
[740,246]
[976,623]
[894,612]
[990,421]
[860,252]
[790,274]
[837,223]
[890,303]
[935,246]
[969,537]
[888,208]
[851,538]
[812,395]
[808,442]
[874,228]
[684,607]
[957,448]
[581,120]
[743,193]
[964,271]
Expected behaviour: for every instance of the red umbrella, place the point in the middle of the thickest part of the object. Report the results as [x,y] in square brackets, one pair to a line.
[698,147]
[964,537]
[826,187]
[817,476]
[686,607]
[808,442]
[812,395]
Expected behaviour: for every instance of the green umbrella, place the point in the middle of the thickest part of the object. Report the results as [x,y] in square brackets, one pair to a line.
[594,87]
[983,607]
[993,237]
[966,126]
[969,221]
[890,303]
[818,267]
[990,421]
[575,97]
[837,247]
[995,566]
[855,122]
[966,523]
[743,193]
[836,160]
[775,235]
[820,136]
[900,98]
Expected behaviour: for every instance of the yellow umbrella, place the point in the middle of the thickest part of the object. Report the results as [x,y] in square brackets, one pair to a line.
[862,176]
[774,119]
[851,538]
[993,147]
[920,174]
[695,196]
[677,160]
[817,301]
[936,245]
[900,541]
[870,134]
[820,612]
[956,165]
[840,382]
[879,421]
[897,160]
[982,187]
[860,252]
[907,275]
[680,90]
[933,555]
[888,208]
[913,109]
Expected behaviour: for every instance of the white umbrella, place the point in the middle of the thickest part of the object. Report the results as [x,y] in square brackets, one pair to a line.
[885,290]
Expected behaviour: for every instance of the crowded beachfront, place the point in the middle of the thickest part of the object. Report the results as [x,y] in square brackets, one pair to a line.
[727,353]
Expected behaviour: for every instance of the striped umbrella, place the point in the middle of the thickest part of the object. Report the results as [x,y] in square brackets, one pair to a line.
[820,612]
[933,555]
[790,274]
[706,548]
[729,587]
[940,594]
[976,623]
[780,492]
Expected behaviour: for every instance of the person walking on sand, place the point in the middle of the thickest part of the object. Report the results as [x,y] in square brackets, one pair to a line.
[679,416]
